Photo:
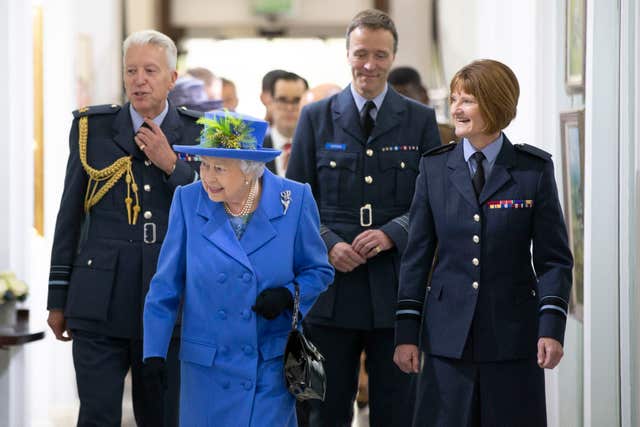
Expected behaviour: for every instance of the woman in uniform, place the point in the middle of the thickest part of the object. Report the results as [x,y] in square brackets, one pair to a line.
[497,299]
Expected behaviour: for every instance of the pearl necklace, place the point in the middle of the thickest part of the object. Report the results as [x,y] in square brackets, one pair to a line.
[248,204]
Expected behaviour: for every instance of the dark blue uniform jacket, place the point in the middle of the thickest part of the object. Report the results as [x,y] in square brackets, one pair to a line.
[356,181]
[486,284]
[101,279]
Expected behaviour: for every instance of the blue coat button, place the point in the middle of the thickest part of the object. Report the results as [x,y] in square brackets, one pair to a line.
[222,314]
[248,385]
[246,277]
[248,350]
[224,349]
[222,277]
[226,384]
[246,314]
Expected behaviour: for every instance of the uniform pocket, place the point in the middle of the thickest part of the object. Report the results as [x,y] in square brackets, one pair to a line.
[335,171]
[91,283]
[400,169]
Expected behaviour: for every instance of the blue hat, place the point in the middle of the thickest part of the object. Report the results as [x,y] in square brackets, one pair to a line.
[231,135]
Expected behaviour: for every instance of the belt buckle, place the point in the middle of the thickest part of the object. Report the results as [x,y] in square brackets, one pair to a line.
[366,209]
[149,232]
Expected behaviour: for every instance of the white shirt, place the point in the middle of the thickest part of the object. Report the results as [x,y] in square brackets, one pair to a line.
[278,142]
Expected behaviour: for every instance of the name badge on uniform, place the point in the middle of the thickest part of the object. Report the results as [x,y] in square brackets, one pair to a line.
[333,146]
[510,204]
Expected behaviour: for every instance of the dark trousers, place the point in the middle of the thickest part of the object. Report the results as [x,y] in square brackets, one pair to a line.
[101,364]
[462,393]
[388,386]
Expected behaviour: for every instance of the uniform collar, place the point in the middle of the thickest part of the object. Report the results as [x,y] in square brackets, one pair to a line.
[137,119]
[361,100]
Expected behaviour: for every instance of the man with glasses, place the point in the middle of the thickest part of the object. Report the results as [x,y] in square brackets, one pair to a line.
[286,92]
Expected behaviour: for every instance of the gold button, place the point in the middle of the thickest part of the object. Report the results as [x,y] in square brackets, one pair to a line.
[90,262]
[475,285]
[476,218]
[147,215]
[368,179]
[333,164]
[475,261]
[476,239]
[402,165]
[147,162]
[369,152]
[147,188]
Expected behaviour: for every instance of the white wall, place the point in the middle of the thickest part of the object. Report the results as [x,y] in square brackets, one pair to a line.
[52,382]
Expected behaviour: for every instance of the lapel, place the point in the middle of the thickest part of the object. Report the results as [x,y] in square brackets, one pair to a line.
[500,172]
[459,175]
[346,115]
[123,133]
[500,175]
[217,229]
[260,230]
[171,125]
[390,114]
[123,130]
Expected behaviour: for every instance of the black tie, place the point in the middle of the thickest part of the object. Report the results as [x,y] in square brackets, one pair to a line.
[478,177]
[366,120]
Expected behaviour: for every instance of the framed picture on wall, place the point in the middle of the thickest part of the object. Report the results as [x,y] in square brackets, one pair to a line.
[575,45]
[572,142]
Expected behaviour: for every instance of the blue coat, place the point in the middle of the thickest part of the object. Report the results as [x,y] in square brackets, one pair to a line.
[232,372]
[349,173]
[484,283]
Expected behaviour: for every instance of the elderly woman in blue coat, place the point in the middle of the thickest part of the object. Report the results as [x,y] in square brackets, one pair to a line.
[238,242]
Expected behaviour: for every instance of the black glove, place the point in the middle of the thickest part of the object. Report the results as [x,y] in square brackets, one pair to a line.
[154,373]
[273,301]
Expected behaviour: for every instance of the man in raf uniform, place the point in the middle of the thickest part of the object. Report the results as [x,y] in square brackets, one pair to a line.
[120,179]
[359,150]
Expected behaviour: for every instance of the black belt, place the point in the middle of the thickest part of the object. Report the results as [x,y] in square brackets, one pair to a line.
[147,232]
[367,215]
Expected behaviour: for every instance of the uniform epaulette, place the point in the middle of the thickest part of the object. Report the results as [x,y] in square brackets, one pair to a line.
[441,149]
[533,150]
[190,113]
[96,109]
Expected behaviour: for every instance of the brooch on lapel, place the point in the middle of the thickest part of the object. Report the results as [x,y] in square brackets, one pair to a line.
[285,199]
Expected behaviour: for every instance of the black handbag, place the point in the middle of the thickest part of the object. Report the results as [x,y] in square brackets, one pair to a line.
[303,368]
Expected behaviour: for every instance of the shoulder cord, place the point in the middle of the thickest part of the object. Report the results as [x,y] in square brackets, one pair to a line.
[111,174]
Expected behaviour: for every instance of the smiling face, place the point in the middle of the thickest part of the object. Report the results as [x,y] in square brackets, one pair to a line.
[147,78]
[466,115]
[223,180]
[370,56]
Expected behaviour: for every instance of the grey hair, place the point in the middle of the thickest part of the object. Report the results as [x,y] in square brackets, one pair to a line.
[252,168]
[155,38]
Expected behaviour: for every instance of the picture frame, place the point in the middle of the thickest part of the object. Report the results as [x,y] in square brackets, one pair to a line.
[575,45]
[572,146]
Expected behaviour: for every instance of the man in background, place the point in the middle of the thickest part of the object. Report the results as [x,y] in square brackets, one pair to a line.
[229,95]
[286,93]
[265,95]
[407,81]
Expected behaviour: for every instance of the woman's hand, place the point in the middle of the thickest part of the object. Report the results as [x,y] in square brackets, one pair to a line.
[407,357]
[273,301]
[549,353]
